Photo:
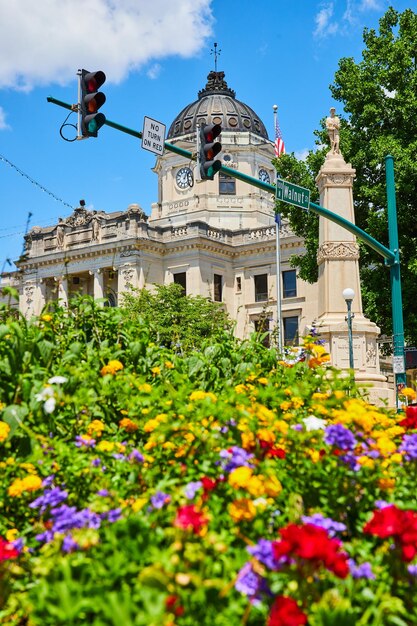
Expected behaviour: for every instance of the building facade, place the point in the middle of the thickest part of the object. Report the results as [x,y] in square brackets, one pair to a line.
[215,238]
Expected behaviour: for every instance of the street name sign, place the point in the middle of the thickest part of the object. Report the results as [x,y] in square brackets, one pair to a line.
[292,194]
[153,136]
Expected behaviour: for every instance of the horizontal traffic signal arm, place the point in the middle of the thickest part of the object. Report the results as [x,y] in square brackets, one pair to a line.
[333,217]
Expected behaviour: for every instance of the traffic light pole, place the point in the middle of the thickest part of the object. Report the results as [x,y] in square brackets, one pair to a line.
[391,254]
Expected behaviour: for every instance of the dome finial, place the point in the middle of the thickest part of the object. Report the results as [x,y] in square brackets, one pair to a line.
[216,55]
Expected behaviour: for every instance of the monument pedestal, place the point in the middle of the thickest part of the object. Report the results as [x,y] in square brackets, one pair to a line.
[338,261]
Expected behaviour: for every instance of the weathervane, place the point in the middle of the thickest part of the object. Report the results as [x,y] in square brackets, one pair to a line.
[216,54]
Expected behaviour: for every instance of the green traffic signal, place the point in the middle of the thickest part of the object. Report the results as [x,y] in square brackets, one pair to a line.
[91,101]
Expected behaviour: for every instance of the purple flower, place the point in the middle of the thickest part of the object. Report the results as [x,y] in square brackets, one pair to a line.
[191,489]
[364,570]
[113,515]
[47,482]
[159,499]
[327,523]
[103,492]
[136,456]
[84,441]
[250,583]
[51,497]
[235,457]
[119,456]
[263,551]
[409,446]
[69,544]
[339,436]
[412,569]
[382,504]
[96,462]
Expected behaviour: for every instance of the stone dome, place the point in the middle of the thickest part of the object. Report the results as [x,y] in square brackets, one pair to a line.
[217,104]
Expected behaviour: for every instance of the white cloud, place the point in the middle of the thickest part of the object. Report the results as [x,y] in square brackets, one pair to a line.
[154,71]
[3,124]
[301,155]
[324,24]
[370,5]
[46,42]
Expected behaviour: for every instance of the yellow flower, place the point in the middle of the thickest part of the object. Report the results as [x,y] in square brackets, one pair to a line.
[386,483]
[266,435]
[4,431]
[297,402]
[408,393]
[11,534]
[151,425]
[105,446]
[46,317]
[138,504]
[248,440]
[365,461]
[263,381]
[240,476]
[385,446]
[145,388]
[284,406]
[202,395]
[156,370]
[169,365]
[95,428]
[313,454]
[111,368]
[243,509]
[28,483]
[240,388]
[128,425]
[272,486]
[255,486]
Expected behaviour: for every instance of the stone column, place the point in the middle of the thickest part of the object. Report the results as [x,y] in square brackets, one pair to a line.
[338,261]
[98,283]
[62,290]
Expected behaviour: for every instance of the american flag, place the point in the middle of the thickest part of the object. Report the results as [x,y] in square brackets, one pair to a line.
[279,142]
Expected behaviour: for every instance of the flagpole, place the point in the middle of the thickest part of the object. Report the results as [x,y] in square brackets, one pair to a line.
[278,258]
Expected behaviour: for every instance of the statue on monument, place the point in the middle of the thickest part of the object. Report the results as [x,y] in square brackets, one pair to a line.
[60,233]
[333,129]
[96,225]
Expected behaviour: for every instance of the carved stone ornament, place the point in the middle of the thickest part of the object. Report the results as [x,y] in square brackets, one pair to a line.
[127,274]
[339,179]
[80,217]
[28,291]
[338,251]
[371,355]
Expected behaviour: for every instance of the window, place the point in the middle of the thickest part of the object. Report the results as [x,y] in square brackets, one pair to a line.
[261,287]
[218,287]
[181,279]
[289,283]
[290,330]
[227,185]
[238,283]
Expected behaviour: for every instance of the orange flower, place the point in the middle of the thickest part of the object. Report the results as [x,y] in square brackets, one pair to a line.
[111,368]
[128,425]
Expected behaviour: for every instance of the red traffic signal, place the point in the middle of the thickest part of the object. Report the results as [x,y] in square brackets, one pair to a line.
[91,101]
[208,150]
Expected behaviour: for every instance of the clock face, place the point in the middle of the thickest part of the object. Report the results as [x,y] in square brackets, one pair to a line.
[264,176]
[184,178]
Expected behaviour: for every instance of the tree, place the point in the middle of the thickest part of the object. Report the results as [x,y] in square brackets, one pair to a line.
[379,97]
[177,321]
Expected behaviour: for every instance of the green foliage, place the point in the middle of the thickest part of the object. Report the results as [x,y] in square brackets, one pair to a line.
[101,412]
[175,320]
[379,97]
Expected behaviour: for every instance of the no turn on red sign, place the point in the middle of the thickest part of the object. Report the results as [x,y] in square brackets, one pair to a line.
[153,136]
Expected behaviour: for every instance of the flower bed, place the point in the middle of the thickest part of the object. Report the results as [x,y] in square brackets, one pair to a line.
[140,487]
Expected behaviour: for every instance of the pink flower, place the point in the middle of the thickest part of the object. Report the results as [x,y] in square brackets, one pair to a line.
[190,518]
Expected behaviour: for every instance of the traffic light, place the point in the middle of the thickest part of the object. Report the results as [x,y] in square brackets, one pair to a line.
[208,149]
[91,101]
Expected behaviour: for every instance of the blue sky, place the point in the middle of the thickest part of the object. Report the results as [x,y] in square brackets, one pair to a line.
[156,56]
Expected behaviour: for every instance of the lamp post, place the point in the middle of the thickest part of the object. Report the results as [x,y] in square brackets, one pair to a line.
[348,295]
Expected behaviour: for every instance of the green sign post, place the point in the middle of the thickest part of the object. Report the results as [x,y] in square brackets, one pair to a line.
[293,194]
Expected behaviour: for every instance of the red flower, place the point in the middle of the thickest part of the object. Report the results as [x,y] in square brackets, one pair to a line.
[190,518]
[208,483]
[7,550]
[401,525]
[173,605]
[286,612]
[311,543]
[410,421]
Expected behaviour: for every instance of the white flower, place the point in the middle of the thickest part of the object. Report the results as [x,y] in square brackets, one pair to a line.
[49,406]
[314,423]
[57,380]
[47,392]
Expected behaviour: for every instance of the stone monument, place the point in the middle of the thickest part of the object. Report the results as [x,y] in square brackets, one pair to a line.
[338,261]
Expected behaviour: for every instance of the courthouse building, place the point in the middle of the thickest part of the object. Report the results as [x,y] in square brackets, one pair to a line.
[215,238]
